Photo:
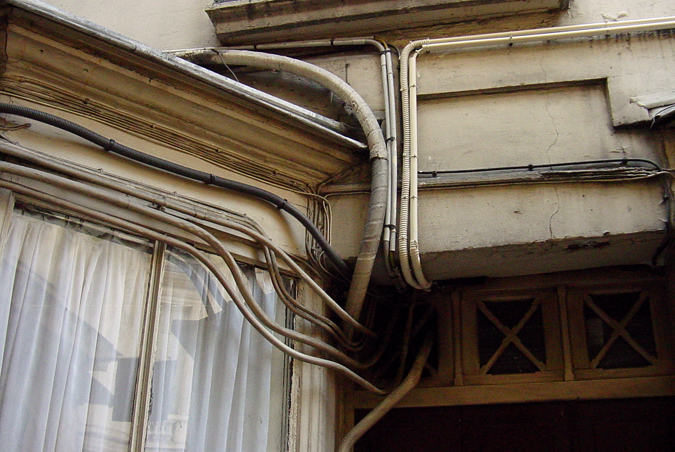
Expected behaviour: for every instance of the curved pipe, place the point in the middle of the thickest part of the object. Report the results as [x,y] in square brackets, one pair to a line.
[406,257]
[164,238]
[298,309]
[391,400]
[174,168]
[195,230]
[244,225]
[378,156]
[389,233]
[413,233]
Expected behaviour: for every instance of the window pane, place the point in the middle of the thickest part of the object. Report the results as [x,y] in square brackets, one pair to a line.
[603,314]
[510,359]
[73,303]
[211,384]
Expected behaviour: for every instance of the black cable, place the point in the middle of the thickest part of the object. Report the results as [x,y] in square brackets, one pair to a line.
[180,170]
[621,162]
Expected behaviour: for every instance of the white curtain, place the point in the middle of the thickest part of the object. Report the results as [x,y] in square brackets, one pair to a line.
[212,375]
[72,302]
[71,306]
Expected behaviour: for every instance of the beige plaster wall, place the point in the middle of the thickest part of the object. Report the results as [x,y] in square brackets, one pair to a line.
[169,24]
[163,24]
[589,11]
[496,216]
[499,107]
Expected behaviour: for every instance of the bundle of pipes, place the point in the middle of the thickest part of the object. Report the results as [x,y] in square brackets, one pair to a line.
[403,262]
[172,214]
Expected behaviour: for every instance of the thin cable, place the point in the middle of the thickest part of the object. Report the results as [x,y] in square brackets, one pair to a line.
[197,231]
[163,202]
[379,158]
[622,163]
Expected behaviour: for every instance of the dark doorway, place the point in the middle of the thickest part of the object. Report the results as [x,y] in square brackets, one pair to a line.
[626,425]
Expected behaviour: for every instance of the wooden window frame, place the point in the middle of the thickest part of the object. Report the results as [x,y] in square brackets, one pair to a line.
[661,322]
[470,305]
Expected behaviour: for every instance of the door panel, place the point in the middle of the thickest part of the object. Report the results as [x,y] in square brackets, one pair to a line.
[413,429]
[631,425]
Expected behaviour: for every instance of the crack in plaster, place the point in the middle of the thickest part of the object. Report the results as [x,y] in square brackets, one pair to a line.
[548,156]
[557,209]
[555,128]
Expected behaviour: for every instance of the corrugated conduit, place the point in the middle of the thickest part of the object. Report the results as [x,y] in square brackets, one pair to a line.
[409,251]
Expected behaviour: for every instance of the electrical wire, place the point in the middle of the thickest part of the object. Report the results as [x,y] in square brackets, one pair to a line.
[174,168]
[244,224]
[621,162]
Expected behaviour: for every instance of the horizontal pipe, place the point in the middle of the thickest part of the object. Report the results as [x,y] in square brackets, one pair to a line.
[550,33]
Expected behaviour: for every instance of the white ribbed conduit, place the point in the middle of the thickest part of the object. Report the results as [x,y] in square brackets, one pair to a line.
[409,249]
[378,157]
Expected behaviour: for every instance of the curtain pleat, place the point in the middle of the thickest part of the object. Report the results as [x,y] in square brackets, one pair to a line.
[76,303]
[217,396]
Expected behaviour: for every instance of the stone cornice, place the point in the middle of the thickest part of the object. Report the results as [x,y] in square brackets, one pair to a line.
[166,100]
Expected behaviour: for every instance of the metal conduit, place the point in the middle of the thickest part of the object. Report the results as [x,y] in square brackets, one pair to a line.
[238,296]
[379,158]
[195,230]
[246,226]
[390,122]
[411,266]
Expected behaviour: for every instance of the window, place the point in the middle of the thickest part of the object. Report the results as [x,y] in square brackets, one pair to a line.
[620,331]
[510,334]
[555,329]
[115,343]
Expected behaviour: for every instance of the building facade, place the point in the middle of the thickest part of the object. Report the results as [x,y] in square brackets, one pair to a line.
[313,226]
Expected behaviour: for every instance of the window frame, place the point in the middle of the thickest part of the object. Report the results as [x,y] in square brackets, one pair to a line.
[660,316]
[470,342]
[456,374]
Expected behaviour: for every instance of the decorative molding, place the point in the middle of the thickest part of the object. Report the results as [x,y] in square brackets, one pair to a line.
[59,68]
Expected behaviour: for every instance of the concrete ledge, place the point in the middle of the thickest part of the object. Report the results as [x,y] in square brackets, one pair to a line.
[247,22]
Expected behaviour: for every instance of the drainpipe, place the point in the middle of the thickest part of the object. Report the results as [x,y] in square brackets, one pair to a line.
[378,156]
[411,267]
[389,233]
